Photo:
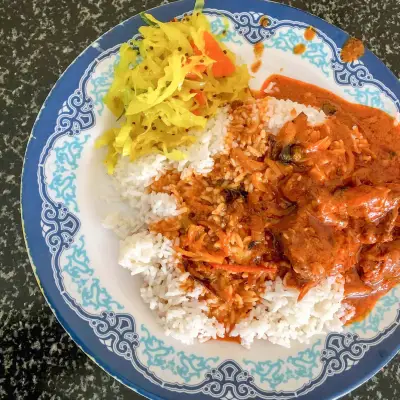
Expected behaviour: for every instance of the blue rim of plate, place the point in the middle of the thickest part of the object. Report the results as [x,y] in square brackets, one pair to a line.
[31,202]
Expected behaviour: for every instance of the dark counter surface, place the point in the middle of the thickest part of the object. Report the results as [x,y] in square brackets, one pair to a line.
[38,40]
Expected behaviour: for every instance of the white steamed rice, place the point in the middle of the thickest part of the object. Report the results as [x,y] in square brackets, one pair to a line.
[279,318]
[280,111]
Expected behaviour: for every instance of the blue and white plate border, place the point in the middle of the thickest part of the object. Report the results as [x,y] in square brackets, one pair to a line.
[228,374]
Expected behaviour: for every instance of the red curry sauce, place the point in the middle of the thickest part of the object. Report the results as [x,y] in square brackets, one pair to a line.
[352,50]
[258,52]
[371,193]
[299,48]
[309,33]
[377,126]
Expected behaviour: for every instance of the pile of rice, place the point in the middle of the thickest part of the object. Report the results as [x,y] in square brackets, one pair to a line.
[278,318]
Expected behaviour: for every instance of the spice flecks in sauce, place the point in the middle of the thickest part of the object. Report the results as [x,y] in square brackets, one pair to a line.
[352,50]
[299,49]
[376,267]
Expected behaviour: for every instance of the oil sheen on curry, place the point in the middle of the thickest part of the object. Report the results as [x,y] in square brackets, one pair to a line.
[304,204]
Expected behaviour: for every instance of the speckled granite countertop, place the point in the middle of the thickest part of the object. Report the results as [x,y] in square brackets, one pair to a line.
[38,40]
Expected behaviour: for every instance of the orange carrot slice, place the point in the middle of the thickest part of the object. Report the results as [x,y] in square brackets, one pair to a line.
[196,67]
[223,65]
[196,50]
[200,97]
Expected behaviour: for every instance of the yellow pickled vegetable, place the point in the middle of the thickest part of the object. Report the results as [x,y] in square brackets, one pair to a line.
[166,84]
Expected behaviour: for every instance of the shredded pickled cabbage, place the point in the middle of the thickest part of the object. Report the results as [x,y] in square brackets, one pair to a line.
[166,84]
